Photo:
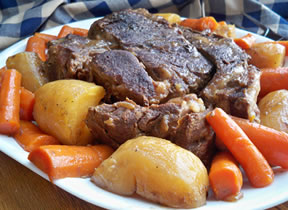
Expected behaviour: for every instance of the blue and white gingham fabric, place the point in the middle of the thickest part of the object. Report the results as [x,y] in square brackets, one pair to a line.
[22,18]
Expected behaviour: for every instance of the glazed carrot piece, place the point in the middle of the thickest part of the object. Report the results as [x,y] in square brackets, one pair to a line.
[59,161]
[27,100]
[2,70]
[65,30]
[225,177]
[271,143]
[31,137]
[80,32]
[191,23]
[10,102]
[256,167]
[245,42]
[46,37]
[201,23]
[37,45]
[103,151]
[273,79]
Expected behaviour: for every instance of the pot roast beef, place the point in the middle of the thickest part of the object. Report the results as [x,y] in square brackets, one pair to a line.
[163,50]
[235,85]
[156,66]
[181,120]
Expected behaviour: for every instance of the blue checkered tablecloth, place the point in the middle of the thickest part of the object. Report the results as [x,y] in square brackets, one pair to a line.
[22,18]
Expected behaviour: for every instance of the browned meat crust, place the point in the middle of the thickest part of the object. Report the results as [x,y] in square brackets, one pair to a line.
[181,120]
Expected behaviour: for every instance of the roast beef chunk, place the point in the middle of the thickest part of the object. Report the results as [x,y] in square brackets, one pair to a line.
[181,120]
[235,85]
[235,88]
[195,135]
[218,49]
[122,75]
[67,56]
[166,54]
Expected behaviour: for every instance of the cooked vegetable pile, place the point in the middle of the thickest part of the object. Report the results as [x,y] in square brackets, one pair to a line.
[49,120]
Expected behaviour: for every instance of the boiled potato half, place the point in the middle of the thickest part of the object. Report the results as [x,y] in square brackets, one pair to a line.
[274,110]
[156,169]
[61,107]
[267,55]
[31,67]
[170,17]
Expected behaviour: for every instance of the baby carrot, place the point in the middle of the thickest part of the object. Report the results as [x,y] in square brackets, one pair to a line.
[271,143]
[59,161]
[273,79]
[10,102]
[27,100]
[225,177]
[201,23]
[80,31]
[65,30]
[31,137]
[2,70]
[45,37]
[245,42]
[37,45]
[257,169]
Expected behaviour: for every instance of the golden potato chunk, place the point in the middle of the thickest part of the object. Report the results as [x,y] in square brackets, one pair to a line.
[31,67]
[61,107]
[170,17]
[267,55]
[157,170]
[274,110]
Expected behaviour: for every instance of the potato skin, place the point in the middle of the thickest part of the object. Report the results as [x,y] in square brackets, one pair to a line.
[61,107]
[267,55]
[274,110]
[31,67]
[157,170]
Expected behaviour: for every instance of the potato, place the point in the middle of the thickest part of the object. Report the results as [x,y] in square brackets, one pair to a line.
[267,55]
[226,30]
[274,110]
[170,17]
[61,107]
[156,169]
[31,67]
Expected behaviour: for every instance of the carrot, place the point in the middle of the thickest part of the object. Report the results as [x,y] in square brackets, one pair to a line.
[225,177]
[200,24]
[65,30]
[271,143]
[46,37]
[273,79]
[10,102]
[80,32]
[256,167]
[103,151]
[2,70]
[245,42]
[59,161]
[31,137]
[27,100]
[37,45]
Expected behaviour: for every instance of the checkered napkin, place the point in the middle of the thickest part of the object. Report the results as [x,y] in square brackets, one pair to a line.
[22,18]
